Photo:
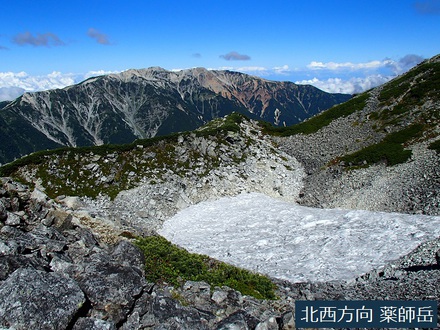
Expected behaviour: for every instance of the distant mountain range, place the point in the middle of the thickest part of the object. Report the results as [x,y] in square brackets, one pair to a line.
[120,108]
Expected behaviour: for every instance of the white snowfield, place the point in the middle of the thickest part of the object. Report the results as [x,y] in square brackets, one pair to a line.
[297,243]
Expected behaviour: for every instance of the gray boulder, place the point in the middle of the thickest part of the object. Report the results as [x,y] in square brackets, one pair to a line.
[34,299]
[111,288]
[128,254]
[170,312]
[239,320]
[10,263]
[88,323]
[3,212]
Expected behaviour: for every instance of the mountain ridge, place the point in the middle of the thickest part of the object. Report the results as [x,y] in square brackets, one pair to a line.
[143,103]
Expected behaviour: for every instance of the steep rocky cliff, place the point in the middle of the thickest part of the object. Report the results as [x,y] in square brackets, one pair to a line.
[120,108]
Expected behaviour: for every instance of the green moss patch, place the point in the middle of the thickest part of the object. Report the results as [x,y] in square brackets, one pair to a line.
[435,146]
[166,262]
[391,150]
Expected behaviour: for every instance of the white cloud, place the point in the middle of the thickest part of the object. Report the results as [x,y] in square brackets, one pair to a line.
[33,83]
[282,69]
[395,67]
[364,76]
[230,68]
[252,69]
[404,64]
[14,84]
[333,66]
[348,86]
[98,73]
[261,70]
[10,93]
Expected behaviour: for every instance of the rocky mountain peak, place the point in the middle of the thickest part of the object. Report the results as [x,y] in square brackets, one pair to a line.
[119,108]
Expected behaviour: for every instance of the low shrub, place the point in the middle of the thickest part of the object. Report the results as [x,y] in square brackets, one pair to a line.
[427,78]
[435,146]
[390,150]
[390,153]
[166,262]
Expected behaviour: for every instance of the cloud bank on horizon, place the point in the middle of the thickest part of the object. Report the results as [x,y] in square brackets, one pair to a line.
[343,47]
[346,77]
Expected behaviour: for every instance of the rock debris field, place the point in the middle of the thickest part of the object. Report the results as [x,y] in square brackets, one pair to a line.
[297,243]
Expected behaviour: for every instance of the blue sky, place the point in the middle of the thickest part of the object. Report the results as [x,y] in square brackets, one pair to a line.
[337,45]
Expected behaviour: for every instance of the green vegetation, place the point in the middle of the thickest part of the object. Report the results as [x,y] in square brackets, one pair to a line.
[167,262]
[42,156]
[230,123]
[317,122]
[402,99]
[414,86]
[435,146]
[390,150]
[409,91]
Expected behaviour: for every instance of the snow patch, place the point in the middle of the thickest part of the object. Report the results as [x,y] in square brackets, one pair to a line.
[297,243]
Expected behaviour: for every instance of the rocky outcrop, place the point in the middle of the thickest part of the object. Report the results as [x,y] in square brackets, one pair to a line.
[27,292]
[412,187]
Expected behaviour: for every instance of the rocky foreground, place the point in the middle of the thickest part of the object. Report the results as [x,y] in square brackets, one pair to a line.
[56,274]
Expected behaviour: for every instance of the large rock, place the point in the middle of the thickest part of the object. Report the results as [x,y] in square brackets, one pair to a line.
[239,320]
[3,213]
[129,255]
[32,299]
[88,323]
[10,263]
[111,288]
[167,310]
